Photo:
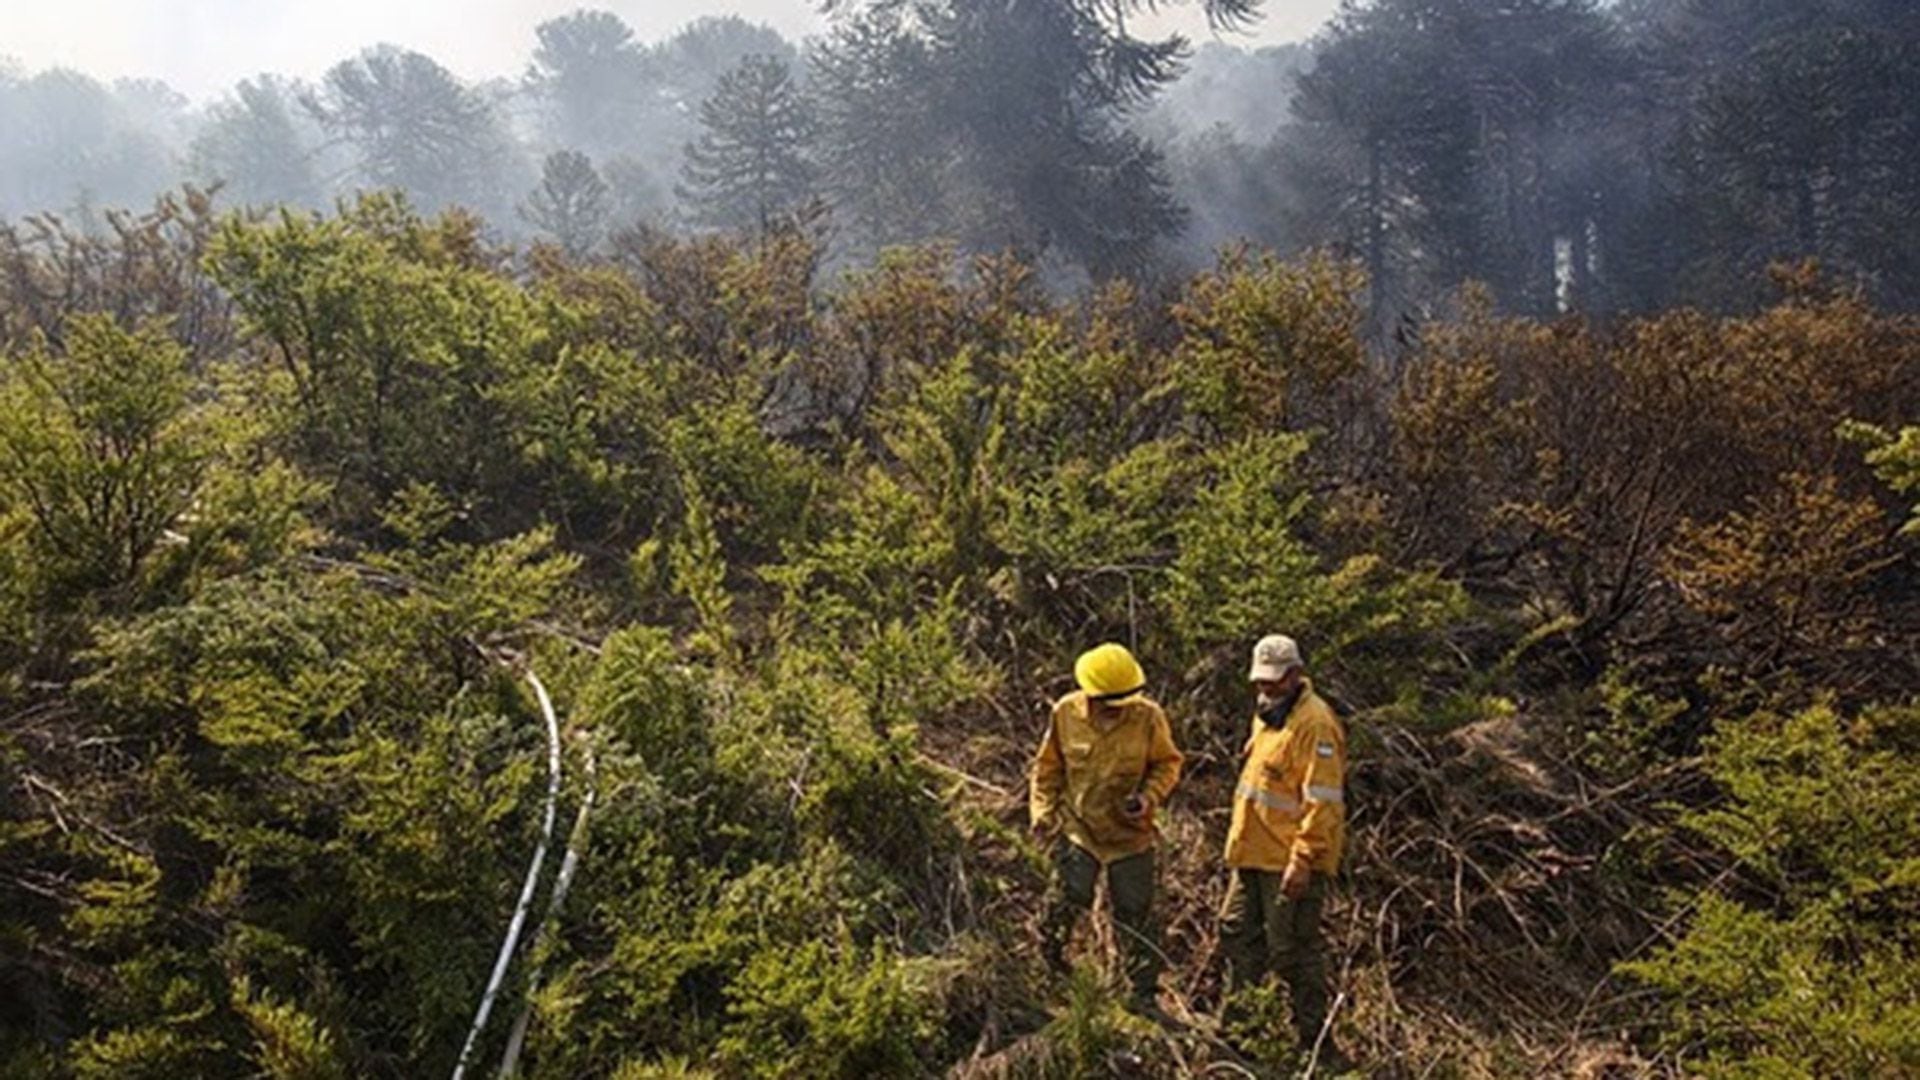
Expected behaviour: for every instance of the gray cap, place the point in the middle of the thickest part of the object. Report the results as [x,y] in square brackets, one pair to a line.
[1274,657]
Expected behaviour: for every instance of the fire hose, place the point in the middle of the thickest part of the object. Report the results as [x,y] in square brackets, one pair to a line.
[563,881]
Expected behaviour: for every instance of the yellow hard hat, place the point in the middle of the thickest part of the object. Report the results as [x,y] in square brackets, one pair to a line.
[1109,673]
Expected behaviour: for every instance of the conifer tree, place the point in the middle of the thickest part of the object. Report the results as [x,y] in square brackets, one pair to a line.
[571,204]
[417,128]
[259,146]
[593,78]
[751,162]
[887,162]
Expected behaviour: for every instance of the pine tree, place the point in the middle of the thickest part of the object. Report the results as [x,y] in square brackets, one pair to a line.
[416,128]
[751,161]
[592,76]
[257,145]
[572,203]
[886,160]
[1808,146]
[1036,96]
[1441,141]
[1375,153]
[67,139]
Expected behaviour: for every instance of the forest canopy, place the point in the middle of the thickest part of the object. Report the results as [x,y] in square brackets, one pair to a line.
[1571,155]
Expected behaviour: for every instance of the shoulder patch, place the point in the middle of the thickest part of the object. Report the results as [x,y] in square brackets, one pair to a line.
[1323,749]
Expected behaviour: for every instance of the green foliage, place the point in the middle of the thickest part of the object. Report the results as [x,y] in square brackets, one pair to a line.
[760,488]
[1086,1032]
[1242,556]
[700,574]
[117,904]
[101,453]
[1811,971]
[1638,722]
[289,1044]
[799,566]
[388,341]
[1896,459]
[487,590]
[723,858]
[355,785]
[1262,334]
[669,1069]
[644,696]
[147,1053]
[825,1010]
[1239,556]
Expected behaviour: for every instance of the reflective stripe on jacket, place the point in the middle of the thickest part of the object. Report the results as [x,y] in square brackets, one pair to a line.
[1289,805]
[1086,769]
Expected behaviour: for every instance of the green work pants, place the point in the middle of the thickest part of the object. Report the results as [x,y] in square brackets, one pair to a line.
[1263,933]
[1129,890]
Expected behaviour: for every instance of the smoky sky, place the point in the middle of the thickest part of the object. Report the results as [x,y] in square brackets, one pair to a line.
[201,47]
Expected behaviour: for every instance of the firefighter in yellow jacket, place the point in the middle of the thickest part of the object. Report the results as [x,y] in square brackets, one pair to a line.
[1289,826]
[1106,766]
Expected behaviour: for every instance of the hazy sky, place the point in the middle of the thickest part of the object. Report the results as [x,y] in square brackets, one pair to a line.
[204,46]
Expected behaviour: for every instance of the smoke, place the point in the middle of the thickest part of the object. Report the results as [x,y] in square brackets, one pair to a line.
[1221,127]
[202,47]
[111,102]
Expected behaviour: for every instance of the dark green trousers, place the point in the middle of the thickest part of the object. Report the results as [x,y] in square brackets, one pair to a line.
[1263,933]
[1129,890]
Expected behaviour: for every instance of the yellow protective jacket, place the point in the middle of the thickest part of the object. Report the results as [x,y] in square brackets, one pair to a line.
[1085,770]
[1289,806]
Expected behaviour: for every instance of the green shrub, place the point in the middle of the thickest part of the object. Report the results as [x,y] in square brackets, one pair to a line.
[1807,965]
[829,1010]
[102,453]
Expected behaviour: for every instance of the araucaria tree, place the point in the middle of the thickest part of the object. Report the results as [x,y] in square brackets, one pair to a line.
[1033,99]
[591,76]
[887,160]
[572,203]
[750,164]
[258,146]
[417,128]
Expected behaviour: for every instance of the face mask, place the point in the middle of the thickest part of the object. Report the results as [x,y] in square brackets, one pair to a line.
[1273,710]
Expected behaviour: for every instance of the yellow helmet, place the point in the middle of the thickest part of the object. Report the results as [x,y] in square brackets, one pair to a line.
[1109,673]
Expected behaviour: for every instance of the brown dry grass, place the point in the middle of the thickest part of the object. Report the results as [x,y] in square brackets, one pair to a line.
[1473,933]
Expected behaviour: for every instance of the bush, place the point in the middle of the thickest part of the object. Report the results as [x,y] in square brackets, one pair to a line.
[1805,965]
[820,1009]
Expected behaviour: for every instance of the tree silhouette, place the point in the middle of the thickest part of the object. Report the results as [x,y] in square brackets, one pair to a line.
[593,77]
[253,144]
[751,161]
[886,159]
[572,203]
[416,128]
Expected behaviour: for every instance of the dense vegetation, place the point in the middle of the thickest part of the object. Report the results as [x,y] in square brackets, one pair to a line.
[1623,617]
[803,518]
